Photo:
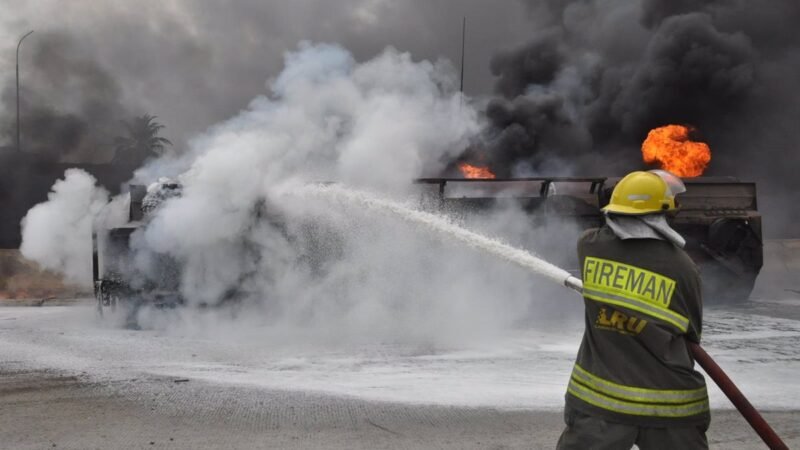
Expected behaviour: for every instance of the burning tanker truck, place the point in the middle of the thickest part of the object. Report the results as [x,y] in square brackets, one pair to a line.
[718,216]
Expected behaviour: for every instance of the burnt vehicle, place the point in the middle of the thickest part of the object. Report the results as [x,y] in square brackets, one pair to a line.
[128,274]
[116,277]
[718,216]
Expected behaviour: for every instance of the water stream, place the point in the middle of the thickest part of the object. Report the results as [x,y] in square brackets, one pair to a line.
[442,225]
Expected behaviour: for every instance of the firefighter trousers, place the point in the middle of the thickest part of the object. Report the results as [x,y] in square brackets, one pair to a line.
[585,432]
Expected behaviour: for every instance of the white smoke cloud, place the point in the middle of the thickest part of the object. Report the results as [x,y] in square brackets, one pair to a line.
[377,124]
[304,267]
[57,234]
[380,124]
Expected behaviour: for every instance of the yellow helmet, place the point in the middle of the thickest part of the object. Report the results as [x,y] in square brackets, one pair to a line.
[642,193]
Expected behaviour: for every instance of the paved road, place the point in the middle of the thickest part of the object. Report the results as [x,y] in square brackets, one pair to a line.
[69,382]
[46,410]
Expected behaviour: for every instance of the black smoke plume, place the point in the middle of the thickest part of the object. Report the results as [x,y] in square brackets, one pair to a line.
[70,106]
[581,95]
[581,85]
[71,111]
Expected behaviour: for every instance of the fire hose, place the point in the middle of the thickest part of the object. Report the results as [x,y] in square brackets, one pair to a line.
[745,408]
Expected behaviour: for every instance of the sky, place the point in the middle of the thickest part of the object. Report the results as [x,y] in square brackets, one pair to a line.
[195,62]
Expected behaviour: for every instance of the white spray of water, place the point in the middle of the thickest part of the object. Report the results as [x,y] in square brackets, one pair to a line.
[442,225]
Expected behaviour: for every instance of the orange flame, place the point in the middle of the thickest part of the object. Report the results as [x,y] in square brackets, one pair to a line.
[673,150]
[471,171]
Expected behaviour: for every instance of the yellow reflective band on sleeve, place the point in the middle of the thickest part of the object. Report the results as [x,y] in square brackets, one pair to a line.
[631,287]
[636,394]
[637,409]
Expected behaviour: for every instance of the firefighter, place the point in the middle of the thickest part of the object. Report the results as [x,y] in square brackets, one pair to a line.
[634,380]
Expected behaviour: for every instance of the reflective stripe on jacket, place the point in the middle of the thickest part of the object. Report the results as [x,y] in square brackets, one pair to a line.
[636,401]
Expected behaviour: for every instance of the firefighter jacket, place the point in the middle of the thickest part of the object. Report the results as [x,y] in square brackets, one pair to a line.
[643,302]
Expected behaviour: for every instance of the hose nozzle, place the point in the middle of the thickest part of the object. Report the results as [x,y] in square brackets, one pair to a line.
[574,283]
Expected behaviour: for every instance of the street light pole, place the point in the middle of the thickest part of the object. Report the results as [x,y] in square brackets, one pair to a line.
[19,149]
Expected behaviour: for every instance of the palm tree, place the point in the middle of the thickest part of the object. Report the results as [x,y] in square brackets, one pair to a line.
[141,142]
